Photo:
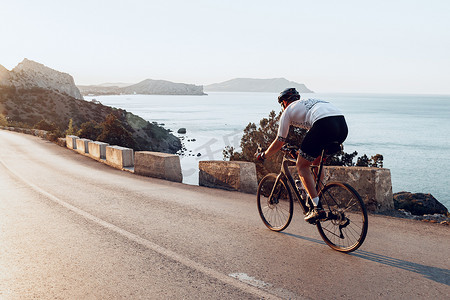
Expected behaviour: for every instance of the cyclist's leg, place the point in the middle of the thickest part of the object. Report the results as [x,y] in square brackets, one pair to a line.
[315,168]
[304,171]
[323,132]
[306,177]
[310,149]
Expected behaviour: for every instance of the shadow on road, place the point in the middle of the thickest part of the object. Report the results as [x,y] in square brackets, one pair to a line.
[439,275]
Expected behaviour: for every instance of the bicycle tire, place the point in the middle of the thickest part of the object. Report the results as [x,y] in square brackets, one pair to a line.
[276,211]
[345,228]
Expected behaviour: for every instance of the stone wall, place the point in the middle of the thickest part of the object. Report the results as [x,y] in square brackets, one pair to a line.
[374,185]
[158,165]
[119,157]
[83,145]
[71,141]
[97,149]
[229,175]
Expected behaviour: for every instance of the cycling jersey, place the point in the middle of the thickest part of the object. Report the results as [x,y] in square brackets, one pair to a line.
[303,113]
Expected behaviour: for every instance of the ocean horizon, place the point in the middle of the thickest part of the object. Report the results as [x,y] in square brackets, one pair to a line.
[410,131]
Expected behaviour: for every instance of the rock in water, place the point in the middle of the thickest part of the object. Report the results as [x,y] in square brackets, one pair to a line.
[419,203]
[182,131]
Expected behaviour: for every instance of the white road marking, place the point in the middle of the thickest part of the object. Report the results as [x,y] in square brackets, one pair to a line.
[246,287]
[250,280]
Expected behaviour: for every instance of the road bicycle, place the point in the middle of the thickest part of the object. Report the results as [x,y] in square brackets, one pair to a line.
[345,226]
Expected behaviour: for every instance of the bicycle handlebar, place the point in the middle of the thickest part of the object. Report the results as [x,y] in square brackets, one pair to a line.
[287,149]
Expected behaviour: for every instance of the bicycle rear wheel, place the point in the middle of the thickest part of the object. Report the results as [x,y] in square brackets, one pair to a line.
[345,227]
[275,203]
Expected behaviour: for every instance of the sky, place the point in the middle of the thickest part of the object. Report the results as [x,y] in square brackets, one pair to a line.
[356,46]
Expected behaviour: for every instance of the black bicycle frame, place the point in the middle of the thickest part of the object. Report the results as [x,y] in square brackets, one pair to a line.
[290,180]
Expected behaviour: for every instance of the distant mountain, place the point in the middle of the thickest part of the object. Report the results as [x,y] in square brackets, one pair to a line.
[146,87]
[115,84]
[30,74]
[162,87]
[274,85]
[97,90]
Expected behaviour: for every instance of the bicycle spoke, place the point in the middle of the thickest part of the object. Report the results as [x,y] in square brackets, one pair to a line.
[332,232]
[346,228]
[274,204]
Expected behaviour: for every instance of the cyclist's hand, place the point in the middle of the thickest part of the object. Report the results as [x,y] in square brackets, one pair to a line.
[260,156]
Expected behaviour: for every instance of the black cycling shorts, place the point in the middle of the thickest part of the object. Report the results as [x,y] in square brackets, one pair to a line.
[323,132]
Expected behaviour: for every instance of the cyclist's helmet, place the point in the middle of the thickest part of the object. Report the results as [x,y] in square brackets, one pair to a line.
[288,95]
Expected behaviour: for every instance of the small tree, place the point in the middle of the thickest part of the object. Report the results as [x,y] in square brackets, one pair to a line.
[3,120]
[376,161]
[71,129]
[114,133]
[363,161]
[90,130]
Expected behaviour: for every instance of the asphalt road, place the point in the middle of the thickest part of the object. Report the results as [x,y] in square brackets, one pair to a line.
[74,228]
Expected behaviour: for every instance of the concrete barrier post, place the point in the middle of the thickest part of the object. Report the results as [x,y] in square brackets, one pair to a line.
[71,141]
[119,157]
[97,149]
[229,175]
[158,165]
[374,185]
[83,145]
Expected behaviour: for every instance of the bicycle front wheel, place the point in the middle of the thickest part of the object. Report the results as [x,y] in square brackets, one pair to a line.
[275,203]
[345,227]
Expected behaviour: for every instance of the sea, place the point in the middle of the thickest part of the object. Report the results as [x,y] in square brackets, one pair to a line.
[412,132]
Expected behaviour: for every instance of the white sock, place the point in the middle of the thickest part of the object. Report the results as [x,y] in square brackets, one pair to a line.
[316,201]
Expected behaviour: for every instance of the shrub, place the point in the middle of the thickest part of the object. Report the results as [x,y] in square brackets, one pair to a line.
[44,125]
[114,133]
[90,130]
[3,120]
[71,129]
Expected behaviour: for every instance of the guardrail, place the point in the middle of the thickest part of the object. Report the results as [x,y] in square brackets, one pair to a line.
[373,184]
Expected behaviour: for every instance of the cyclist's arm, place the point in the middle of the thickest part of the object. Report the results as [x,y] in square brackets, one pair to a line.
[283,130]
[274,147]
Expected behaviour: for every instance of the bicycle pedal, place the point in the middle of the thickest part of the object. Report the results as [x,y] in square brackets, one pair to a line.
[312,222]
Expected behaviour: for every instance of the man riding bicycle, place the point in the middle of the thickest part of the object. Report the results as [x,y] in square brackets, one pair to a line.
[325,124]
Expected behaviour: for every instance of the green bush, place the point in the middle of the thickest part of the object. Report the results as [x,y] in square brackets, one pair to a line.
[90,130]
[3,120]
[71,129]
[44,125]
[114,133]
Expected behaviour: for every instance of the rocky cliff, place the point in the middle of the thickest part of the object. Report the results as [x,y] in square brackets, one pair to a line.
[4,75]
[146,87]
[27,108]
[29,74]
[273,85]
[32,96]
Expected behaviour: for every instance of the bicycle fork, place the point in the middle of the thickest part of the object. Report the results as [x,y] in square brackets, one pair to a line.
[274,194]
